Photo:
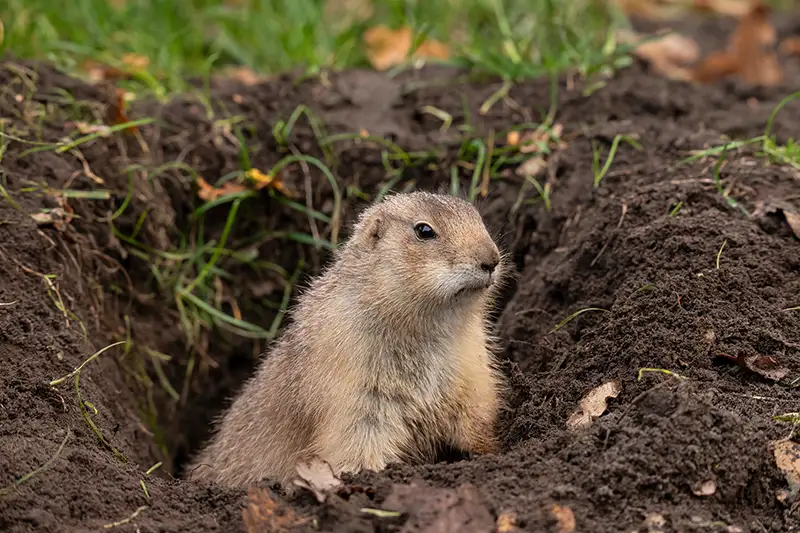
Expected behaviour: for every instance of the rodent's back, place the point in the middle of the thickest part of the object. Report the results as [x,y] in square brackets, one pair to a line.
[386,354]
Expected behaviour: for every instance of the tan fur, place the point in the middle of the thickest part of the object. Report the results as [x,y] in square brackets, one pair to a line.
[382,362]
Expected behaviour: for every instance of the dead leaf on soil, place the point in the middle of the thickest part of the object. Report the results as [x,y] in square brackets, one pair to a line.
[262,514]
[317,476]
[87,129]
[565,517]
[266,180]
[56,217]
[387,48]
[763,365]
[208,193]
[130,64]
[668,55]
[243,75]
[706,488]
[748,53]
[787,457]
[506,523]
[791,46]
[794,222]
[593,404]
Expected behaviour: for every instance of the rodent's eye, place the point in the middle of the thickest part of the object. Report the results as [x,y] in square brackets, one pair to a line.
[424,231]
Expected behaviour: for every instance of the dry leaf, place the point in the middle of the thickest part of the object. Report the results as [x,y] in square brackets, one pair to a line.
[387,48]
[794,222]
[706,488]
[565,517]
[243,75]
[318,477]
[787,457]
[506,523]
[747,54]
[791,46]
[57,217]
[208,193]
[593,404]
[88,129]
[262,514]
[669,55]
[531,166]
[116,112]
[715,66]
[265,180]
[763,365]
[130,64]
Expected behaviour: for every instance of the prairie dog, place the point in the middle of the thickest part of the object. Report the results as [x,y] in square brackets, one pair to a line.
[387,357]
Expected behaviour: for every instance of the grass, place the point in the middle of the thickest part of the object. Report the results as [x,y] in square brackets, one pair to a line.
[513,38]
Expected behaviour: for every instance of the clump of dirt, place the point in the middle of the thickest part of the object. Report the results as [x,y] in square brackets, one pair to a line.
[678,290]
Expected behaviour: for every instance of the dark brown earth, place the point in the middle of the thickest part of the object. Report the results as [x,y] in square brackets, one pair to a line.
[684,292]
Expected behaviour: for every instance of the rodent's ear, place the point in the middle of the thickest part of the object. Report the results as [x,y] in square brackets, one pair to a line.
[372,230]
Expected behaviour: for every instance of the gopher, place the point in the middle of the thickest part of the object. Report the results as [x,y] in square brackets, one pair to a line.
[388,356]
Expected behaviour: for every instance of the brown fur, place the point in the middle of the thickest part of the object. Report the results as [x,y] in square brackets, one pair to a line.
[382,362]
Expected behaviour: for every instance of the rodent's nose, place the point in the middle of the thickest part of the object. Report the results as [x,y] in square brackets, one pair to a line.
[489,264]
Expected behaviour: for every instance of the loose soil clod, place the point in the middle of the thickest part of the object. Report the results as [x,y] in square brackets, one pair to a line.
[669,303]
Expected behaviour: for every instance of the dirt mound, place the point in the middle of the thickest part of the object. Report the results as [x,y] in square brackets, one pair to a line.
[677,291]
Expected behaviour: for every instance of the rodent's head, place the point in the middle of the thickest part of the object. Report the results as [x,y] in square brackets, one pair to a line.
[427,246]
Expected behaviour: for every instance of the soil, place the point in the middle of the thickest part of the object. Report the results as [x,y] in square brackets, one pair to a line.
[684,282]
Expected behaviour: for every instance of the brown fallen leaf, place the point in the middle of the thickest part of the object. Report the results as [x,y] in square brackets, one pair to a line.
[669,55]
[243,75]
[594,404]
[790,46]
[115,114]
[716,66]
[57,217]
[706,488]
[208,193]
[317,476]
[794,222]
[787,457]
[565,517]
[763,365]
[129,65]
[749,51]
[262,514]
[386,47]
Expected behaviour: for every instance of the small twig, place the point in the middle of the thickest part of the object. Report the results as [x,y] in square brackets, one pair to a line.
[9,304]
[126,520]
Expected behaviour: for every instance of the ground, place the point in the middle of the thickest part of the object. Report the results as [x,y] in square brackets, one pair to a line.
[657,279]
